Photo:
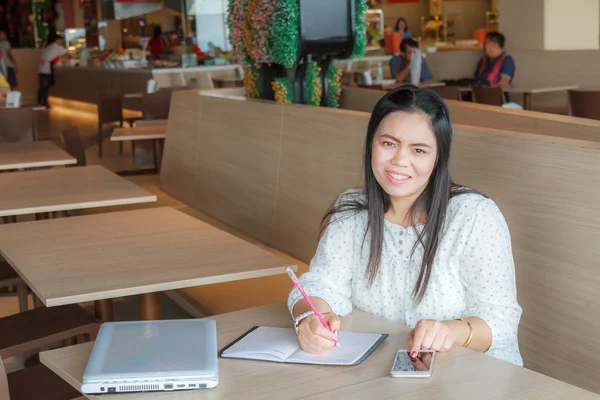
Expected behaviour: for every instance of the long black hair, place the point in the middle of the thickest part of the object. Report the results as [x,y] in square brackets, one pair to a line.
[430,205]
[405,24]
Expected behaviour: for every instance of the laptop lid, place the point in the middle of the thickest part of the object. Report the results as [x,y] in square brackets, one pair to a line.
[154,349]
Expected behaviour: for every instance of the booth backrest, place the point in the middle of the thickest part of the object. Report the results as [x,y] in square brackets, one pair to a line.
[270,171]
[466,113]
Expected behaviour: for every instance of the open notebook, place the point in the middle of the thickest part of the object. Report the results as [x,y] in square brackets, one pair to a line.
[281,345]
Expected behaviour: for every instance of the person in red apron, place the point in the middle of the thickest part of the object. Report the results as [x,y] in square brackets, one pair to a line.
[496,67]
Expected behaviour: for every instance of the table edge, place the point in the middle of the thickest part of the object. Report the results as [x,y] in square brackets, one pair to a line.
[79,206]
[165,286]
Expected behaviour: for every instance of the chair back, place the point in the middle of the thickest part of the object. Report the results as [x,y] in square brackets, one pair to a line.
[492,96]
[4,393]
[151,122]
[16,125]
[375,86]
[448,92]
[156,105]
[110,108]
[584,103]
[174,88]
[74,145]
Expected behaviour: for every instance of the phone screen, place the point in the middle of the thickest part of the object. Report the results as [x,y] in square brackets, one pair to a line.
[403,363]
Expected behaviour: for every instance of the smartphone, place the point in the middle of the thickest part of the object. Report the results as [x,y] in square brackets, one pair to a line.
[419,367]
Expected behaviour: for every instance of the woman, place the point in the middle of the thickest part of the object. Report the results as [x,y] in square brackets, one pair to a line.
[402,27]
[4,86]
[412,246]
[156,43]
[8,62]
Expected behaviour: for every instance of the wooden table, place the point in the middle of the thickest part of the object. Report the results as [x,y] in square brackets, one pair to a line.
[139,133]
[529,90]
[103,256]
[458,374]
[32,155]
[390,86]
[65,189]
[155,133]
[228,82]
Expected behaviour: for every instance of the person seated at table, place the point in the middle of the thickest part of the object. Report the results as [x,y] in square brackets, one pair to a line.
[496,67]
[400,64]
[411,245]
[402,28]
[4,86]
[157,43]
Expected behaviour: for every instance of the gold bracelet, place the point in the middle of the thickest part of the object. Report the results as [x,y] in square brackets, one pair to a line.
[468,341]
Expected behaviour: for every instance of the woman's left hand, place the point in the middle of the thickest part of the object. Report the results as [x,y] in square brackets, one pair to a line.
[430,334]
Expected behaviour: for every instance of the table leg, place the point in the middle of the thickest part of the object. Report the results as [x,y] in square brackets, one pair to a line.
[42,216]
[37,303]
[527,101]
[104,310]
[150,306]
[158,153]
[155,153]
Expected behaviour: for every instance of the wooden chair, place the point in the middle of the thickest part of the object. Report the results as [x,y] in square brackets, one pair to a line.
[34,383]
[10,279]
[44,326]
[110,110]
[375,86]
[492,96]
[151,122]
[584,103]
[156,105]
[74,145]
[32,330]
[17,125]
[174,88]
[448,92]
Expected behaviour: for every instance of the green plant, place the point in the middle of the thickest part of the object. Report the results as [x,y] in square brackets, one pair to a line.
[334,77]
[284,90]
[360,43]
[285,28]
[313,84]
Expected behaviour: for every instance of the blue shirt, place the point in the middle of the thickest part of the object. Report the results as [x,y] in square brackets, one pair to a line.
[508,67]
[405,35]
[397,65]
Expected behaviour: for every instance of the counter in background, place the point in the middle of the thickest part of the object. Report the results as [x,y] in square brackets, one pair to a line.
[85,84]
[443,64]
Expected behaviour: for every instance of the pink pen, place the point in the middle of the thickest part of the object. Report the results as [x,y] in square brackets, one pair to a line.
[311,305]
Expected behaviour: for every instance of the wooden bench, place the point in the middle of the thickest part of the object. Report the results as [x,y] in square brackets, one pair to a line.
[558,126]
[270,171]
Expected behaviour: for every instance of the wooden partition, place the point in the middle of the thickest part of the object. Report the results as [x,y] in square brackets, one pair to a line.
[461,112]
[303,157]
[316,166]
[236,175]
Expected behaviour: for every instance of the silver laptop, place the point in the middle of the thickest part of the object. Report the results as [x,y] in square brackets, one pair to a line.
[144,356]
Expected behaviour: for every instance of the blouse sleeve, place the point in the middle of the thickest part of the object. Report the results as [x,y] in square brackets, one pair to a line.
[488,272]
[330,273]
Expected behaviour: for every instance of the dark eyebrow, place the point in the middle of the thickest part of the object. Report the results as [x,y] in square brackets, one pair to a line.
[397,140]
[390,137]
[421,145]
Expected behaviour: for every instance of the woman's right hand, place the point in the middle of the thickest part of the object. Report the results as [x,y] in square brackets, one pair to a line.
[314,338]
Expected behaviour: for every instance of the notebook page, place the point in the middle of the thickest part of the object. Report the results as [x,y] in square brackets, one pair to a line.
[265,343]
[352,347]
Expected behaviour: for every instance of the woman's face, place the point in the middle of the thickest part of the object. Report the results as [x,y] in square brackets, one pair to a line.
[401,25]
[404,154]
